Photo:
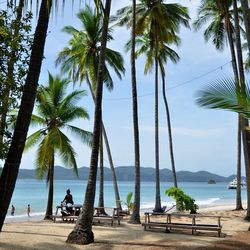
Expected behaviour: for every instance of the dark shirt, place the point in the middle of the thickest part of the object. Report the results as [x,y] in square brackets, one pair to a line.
[68,199]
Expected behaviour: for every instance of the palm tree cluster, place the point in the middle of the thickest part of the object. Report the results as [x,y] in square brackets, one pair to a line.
[225,26]
[155,27]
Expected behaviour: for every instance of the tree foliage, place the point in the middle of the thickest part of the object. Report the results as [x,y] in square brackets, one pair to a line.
[15,46]
[55,111]
[183,201]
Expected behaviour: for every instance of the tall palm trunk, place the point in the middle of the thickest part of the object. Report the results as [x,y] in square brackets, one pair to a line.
[158,207]
[236,77]
[135,216]
[82,232]
[231,46]
[101,179]
[8,84]
[112,168]
[246,18]
[12,163]
[245,123]
[49,210]
[241,84]
[171,148]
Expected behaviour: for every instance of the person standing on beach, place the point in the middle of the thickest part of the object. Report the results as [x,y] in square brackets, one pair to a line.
[28,210]
[12,210]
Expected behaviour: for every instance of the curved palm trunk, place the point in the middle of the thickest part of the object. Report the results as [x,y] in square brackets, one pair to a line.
[116,189]
[135,216]
[158,207]
[171,149]
[242,82]
[101,179]
[12,163]
[49,210]
[82,232]
[9,78]
[112,168]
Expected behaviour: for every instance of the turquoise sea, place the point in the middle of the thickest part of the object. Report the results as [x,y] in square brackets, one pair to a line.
[35,192]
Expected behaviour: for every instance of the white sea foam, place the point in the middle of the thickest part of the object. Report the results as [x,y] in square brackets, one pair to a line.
[25,217]
[203,203]
[207,202]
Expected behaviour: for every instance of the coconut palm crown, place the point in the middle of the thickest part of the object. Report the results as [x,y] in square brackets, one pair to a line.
[217,16]
[55,109]
[80,58]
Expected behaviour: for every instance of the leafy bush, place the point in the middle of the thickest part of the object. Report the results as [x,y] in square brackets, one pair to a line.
[183,201]
[128,201]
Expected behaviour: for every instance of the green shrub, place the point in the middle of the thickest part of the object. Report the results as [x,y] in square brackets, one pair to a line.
[128,201]
[183,201]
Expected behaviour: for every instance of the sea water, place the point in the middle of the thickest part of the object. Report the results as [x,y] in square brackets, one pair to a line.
[35,193]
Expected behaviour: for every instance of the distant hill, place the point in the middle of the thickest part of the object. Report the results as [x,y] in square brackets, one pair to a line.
[126,173]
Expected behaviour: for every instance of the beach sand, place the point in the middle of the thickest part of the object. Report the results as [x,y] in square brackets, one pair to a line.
[48,235]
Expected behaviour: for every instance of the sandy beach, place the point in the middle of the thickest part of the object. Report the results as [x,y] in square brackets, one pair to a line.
[48,235]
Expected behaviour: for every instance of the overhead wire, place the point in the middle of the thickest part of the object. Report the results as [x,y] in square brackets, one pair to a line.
[173,87]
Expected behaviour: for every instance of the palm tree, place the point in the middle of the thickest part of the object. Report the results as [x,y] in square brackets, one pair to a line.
[135,216]
[165,54]
[13,159]
[157,19]
[221,29]
[55,111]
[82,232]
[226,94]
[80,61]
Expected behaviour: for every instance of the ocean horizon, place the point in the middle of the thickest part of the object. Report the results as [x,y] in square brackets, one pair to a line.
[35,193]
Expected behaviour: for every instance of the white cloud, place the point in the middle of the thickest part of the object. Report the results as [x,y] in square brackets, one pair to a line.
[193,132]
[199,132]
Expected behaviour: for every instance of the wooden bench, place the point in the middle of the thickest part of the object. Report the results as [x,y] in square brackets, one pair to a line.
[99,217]
[194,224]
[67,218]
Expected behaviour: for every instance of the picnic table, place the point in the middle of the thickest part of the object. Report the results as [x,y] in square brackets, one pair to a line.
[99,216]
[192,221]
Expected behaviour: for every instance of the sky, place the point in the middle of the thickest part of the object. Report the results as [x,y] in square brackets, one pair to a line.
[203,139]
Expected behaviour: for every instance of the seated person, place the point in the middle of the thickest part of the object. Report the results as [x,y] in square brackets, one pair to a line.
[68,202]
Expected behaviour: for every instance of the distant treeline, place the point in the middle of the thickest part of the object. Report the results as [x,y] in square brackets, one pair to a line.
[126,173]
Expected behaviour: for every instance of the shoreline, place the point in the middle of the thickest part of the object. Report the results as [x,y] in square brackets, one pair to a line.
[36,217]
[40,235]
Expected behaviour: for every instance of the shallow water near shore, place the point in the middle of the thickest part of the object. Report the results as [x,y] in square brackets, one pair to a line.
[35,192]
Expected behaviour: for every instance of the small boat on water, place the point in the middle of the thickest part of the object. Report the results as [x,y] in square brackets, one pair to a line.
[233,184]
[211,181]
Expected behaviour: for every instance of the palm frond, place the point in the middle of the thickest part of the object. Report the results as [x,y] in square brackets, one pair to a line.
[224,94]
[34,138]
[65,150]
[85,136]
[44,155]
